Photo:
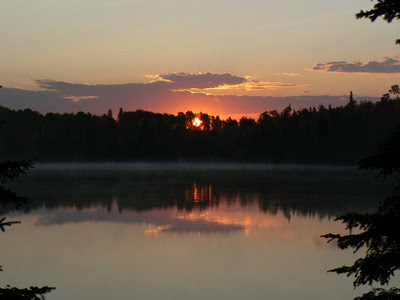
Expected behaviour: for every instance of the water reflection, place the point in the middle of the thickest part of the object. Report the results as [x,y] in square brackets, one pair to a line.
[123,232]
[196,202]
[222,219]
[199,193]
[315,193]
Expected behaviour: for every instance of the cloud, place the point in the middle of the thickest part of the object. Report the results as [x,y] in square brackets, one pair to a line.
[288,74]
[199,81]
[386,66]
[211,82]
[79,98]
[249,85]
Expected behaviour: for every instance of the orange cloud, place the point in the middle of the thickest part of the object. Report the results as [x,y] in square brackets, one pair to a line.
[79,98]
[288,74]
[248,86]
[156,77]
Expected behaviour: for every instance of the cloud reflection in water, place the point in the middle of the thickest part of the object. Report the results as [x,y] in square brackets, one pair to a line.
[207,216]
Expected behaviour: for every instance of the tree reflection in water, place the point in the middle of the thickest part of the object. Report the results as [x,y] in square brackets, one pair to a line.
[322,194]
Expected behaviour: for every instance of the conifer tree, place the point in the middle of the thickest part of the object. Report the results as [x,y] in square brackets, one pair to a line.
[389,10]
[377,232]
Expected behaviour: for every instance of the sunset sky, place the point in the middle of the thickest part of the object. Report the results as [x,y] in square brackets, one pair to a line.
[221,57]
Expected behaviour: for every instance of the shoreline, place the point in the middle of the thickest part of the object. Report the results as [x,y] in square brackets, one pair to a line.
[222,166]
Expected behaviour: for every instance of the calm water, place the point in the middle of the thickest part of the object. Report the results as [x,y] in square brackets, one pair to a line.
[184,231]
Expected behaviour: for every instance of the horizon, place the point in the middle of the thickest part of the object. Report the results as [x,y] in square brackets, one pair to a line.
[234,106]
[278,108]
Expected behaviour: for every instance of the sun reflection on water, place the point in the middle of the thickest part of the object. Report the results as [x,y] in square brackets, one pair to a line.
[198,193]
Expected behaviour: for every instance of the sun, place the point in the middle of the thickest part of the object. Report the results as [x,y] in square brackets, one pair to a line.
[197,122]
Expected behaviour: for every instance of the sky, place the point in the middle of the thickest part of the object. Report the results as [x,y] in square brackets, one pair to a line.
[216,56]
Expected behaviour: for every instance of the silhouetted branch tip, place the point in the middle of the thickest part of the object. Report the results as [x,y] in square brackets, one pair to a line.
[9,170]
[8,223]
[389,10]
[31,293]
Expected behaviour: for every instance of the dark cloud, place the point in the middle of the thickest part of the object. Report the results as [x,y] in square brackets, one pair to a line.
[336,62]
[79,89]
[386,66]
[58,85]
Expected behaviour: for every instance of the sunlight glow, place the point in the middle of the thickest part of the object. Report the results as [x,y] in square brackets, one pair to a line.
[197,122]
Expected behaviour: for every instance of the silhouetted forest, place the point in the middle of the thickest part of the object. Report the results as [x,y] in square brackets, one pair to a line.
[316,135]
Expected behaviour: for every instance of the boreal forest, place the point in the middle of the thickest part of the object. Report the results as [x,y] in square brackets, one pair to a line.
[311,135]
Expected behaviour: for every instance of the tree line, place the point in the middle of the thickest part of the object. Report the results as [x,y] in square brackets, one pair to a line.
[312,135]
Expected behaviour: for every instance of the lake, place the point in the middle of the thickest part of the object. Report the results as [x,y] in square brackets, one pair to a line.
[184,231]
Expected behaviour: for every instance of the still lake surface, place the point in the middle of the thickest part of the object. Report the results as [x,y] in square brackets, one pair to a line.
[184,231]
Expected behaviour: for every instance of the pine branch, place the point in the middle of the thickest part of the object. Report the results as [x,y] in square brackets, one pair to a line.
[9,170]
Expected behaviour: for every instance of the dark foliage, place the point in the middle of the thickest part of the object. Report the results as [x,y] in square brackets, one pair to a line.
[395,90]
[8,197]
[387,158]
[389,10]
[317,135]
[381,294]
[9,170]
[12,169]
[33,293]
[4,223]
[378,232]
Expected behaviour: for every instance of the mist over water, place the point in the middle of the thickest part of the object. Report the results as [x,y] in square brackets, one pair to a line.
[194,166]
[184,231]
